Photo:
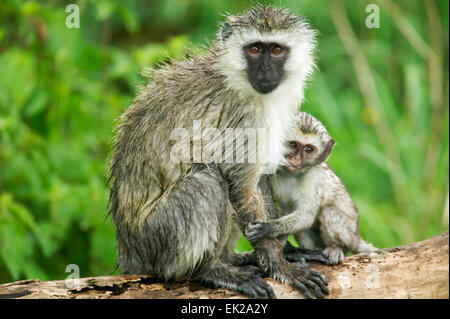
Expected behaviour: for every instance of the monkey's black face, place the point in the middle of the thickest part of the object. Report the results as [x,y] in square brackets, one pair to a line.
[265,65]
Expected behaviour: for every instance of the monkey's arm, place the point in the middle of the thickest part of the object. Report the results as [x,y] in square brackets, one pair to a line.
[291,223]
[268,198]
[290,253]
[244,192]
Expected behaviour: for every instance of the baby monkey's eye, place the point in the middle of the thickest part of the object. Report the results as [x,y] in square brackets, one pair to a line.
[293,144]
[309,149]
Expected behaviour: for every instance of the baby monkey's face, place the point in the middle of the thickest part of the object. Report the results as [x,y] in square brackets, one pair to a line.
[305,150]
[300,155]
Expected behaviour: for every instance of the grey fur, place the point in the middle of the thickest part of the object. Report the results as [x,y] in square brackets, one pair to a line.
[262,19]
[182,221]
[324,216]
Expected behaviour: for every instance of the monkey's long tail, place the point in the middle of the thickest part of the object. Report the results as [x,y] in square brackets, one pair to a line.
[365,247]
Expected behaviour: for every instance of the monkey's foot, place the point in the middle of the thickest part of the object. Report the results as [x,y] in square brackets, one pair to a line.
[247,280]
[297,254]
[245,259]
[259,230]
[303,278]
[334,255]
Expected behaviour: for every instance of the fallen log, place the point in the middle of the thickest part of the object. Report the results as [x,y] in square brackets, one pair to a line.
[419,270]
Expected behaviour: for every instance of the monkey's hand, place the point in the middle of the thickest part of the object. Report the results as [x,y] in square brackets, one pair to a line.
[259,230]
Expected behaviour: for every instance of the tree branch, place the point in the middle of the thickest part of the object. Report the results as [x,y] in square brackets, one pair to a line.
[419,270]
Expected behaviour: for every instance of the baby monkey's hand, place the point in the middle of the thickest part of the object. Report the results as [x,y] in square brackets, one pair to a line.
[259,230]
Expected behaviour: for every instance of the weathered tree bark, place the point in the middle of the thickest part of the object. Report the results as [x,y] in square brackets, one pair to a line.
[419,270]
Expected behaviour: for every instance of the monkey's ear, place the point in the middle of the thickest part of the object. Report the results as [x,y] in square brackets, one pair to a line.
[322,157]
[225,31]
[326,152]
[329,148]
[332,143]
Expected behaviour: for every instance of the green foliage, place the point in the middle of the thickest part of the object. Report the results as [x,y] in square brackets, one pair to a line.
[61,90]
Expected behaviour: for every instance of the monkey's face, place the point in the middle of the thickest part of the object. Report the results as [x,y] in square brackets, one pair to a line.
[300,155]
[266,50]
[305,151]
[265,65]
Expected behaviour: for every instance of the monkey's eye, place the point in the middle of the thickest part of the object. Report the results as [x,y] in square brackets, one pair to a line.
[255,49]
[293,144]
[308,149]
[277,50]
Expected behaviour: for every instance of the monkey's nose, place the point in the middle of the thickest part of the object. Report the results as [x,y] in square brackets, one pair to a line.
[264,76]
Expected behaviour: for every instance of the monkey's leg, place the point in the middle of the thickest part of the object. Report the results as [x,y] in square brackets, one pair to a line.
[298,275]
[310,238]
[234,258]
[268,198]
[238,271]
[247,280]
[339,233]
[247,258]
[290,253]
[334,255]
[189,232]
[183,233]
[300,254]
[309,250]
[248,202]
[296,254]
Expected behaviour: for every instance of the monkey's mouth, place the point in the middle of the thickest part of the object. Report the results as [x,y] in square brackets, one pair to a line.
[291,168]
[265,87]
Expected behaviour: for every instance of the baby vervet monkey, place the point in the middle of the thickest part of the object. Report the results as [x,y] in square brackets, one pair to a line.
[317,207]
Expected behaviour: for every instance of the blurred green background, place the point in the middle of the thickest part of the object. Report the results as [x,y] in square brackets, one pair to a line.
[381,92]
